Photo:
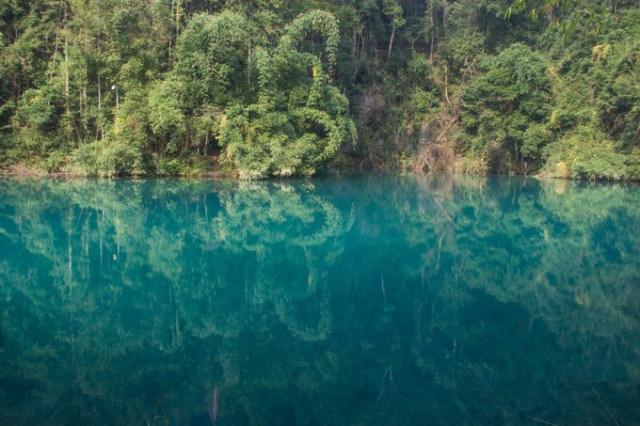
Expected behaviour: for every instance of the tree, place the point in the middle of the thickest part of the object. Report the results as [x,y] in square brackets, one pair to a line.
[537,8]
[211,60]
[619,100]
[393,10]
[299,120]
[275,110]
[505,110]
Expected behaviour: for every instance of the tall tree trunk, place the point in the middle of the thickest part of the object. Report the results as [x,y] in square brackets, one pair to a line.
[359,47]
[170,35]
[446,83]
[445,6]
[66,68]
[66,78]
[177,17]
[100,108]
[393,35]
[249,51]
[433,20]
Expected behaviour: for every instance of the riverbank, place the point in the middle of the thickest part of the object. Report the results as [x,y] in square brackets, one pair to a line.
[347,165]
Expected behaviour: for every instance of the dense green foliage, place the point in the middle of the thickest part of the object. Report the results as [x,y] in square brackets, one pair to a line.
[506,108]
[262,88]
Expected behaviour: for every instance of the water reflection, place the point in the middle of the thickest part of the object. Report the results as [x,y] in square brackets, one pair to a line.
[362,300]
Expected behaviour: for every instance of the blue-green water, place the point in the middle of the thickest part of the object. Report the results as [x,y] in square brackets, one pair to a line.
[365,300]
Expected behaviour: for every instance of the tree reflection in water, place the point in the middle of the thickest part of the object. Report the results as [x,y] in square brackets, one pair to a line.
[359,300]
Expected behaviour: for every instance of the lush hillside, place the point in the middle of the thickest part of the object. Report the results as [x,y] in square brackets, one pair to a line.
[263,88]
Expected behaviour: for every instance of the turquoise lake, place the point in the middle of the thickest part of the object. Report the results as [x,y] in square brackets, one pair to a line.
[354,300]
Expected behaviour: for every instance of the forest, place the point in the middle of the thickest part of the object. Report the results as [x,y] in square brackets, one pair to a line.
[261,88]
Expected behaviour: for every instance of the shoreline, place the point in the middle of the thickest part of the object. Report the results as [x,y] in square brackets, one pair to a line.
[20,171]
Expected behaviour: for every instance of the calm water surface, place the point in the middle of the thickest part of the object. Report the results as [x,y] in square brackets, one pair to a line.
[366,300]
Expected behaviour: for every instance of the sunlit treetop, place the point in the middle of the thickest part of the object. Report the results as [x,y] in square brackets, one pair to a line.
[538,7]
